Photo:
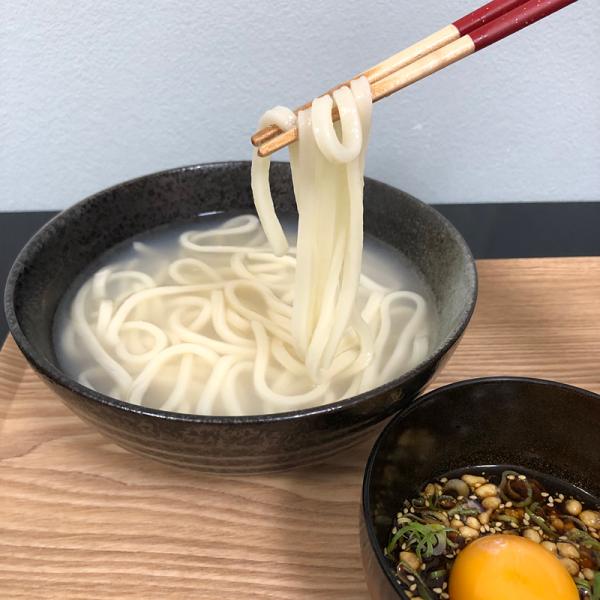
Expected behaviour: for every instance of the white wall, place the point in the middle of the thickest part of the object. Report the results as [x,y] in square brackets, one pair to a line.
[93,92]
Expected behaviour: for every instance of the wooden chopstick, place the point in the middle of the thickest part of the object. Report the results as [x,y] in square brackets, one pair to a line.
[433,42]
[397,61]
[491,31]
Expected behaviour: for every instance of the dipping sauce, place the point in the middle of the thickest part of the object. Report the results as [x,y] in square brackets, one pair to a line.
[504,534]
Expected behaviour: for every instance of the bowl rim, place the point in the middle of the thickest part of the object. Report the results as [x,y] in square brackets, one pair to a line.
[57,376]
[365,508]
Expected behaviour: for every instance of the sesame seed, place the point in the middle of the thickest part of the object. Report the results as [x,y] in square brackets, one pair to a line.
[413,587]
[508,504]
[444,480]
[511,477]
[545,494]
[411,577]
[437,590]
[522,477]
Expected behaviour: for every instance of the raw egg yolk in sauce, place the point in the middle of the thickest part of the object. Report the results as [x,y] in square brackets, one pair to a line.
[503,567]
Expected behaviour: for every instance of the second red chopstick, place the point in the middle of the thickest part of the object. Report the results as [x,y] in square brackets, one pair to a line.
[439,39]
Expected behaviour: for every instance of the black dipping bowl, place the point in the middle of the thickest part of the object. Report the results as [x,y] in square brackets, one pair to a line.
[544,426]
[71,241]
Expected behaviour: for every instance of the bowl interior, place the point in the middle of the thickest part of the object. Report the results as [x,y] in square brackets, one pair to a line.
[78,236]
[547,427]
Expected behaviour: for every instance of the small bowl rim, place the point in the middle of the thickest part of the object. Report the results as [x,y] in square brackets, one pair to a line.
[393,422]
[57,376]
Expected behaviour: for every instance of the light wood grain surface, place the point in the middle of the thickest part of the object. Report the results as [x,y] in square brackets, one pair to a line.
[81,518]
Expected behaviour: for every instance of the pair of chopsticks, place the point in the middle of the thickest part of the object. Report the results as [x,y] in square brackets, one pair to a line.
[475,31]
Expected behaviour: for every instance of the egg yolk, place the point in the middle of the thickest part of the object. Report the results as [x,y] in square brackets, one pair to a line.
[509,567]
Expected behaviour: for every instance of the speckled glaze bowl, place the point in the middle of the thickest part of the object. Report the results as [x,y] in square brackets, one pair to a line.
[541,425]
[71,241]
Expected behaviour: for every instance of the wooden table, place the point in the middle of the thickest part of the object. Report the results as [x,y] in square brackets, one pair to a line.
[81,518]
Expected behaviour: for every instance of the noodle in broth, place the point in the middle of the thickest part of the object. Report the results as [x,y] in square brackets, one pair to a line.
[233,320]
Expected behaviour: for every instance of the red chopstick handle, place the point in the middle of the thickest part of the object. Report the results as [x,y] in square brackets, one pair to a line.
[515,20]
[485,14]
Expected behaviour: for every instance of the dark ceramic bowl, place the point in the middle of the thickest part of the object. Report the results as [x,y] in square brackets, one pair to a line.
[79,235]
[543,426]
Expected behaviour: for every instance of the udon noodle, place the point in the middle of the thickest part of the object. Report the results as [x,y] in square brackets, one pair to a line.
[237,321]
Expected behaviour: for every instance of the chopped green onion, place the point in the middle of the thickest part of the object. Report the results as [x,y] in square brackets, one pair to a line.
[424,539]
[541,523]
[596,587]
[583,538]
[438,574]
[583,584]
[419,502]
[463,511]
[424,590]
[528,498]
[435,515]
[504,483]
[437,577]
[507,519]
[580,524]
[444,502]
